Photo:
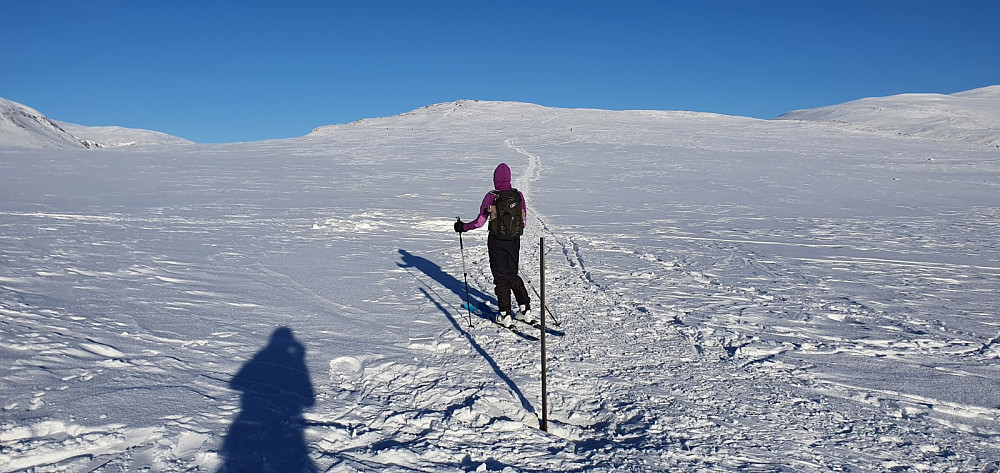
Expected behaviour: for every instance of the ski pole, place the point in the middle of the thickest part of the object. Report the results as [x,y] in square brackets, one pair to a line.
[546,306]
[465,274]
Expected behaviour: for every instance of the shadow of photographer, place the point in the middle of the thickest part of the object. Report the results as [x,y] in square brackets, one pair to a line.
[269,432]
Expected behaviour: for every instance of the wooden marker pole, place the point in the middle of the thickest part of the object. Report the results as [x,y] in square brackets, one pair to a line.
[545,390]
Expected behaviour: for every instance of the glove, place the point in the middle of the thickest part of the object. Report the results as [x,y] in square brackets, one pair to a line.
[458,226]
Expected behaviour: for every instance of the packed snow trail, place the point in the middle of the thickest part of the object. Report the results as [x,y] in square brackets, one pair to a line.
[736,295]
[735,363]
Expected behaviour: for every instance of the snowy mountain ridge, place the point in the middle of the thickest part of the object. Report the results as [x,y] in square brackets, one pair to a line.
[115,136]
[435,111]
[24,127]
[971,116]
[502,113]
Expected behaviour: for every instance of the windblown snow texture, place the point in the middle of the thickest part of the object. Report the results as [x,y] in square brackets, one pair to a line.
[737,295]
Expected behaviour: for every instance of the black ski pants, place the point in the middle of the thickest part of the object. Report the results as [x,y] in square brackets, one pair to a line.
[504,256]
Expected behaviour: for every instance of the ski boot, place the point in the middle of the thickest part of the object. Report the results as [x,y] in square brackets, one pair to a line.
[526,315]
[504,319]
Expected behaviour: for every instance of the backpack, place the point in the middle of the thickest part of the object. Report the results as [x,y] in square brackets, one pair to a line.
[507,215]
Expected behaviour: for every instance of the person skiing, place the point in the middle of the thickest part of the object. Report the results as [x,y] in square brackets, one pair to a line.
[505,208]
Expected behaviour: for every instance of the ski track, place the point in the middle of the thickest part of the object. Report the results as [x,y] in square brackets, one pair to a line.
[722,345]
[743,362]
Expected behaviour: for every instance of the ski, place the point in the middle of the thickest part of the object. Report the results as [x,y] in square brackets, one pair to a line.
[538,326]
[479,312]
[516,331]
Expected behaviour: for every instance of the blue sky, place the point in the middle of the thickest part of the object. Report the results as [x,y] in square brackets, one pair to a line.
[216,71]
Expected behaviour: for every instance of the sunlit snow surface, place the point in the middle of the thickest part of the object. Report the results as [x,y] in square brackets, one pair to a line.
[737,295]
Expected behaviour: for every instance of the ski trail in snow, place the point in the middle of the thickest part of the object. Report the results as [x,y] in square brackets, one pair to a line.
[689,369]
[567,243]
[597,317]
[531,175]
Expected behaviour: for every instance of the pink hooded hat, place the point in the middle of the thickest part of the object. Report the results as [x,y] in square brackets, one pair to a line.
[501,177]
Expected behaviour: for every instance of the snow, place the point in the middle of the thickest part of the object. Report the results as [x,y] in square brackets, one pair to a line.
[970,116]
[113,136]
[737,295]
[23,126]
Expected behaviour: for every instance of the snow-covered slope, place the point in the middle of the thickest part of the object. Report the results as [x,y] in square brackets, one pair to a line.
[114,136]
[23,126]
[972,116]
[736,295]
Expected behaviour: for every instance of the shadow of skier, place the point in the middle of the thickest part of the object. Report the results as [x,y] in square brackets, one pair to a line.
[434,271]
[477,298]
[268,434]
